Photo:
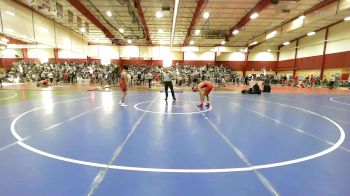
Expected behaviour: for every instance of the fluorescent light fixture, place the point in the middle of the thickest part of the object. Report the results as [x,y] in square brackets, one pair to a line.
[286,43]
[191,42]
[4,39]
[160,30]
[244,50]
[197,32]
[347,18]
[254,43]
[302,17]
[311,33]
[8,30]
[254,16]
[109,13]
[159,14]
[271,35]
[176,10]
[10,13]
[129,41]
[223,42]
[2,47]
[121,30]
[235,32]
[43,29]
[83,30]
[206,15]
[4,43]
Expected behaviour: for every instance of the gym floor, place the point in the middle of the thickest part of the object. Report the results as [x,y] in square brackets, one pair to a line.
[56,142]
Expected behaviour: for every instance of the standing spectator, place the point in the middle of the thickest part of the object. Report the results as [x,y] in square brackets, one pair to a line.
[331,83]
[312,80]
[2,76]
[51,77]
[296,80]
[149,78]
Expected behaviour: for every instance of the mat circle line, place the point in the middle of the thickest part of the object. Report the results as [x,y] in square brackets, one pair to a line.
[170,113]
[332,99]
[171,170]
[15,95]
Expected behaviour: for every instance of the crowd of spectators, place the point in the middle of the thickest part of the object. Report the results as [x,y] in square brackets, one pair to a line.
[183,75]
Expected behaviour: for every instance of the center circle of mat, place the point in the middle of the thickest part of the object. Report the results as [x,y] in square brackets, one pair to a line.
[136,106]
[173,170]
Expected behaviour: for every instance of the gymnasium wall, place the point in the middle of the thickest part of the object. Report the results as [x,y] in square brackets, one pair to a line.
[20,22]
[310,53]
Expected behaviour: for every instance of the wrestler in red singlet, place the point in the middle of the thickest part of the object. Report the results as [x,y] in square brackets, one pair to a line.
[204,89]
[123,84]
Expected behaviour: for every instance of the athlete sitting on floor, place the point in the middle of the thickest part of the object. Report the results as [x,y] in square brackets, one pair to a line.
[204,88]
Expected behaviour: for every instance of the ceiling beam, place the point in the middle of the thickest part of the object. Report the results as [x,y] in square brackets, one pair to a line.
[309,11]
[137,4]
[200,6]
[258,8]
[85,12]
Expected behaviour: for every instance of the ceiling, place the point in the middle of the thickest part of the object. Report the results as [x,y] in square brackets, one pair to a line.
[224,14]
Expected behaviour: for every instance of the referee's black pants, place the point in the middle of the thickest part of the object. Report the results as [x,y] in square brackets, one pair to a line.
[169,84]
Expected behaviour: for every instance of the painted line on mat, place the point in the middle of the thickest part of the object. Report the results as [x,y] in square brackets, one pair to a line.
[170,113]
[290,126]
[311,103]
[101,174]
[333,99]
[171,170]
[51,127]
[267,184]
[10,97]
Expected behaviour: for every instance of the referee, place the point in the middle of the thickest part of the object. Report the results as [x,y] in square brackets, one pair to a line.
[167,76]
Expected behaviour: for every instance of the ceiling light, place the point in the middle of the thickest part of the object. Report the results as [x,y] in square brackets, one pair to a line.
[311,33]
[347,18]
[173,26]
[271,35]
[4,43]
[223,42]
[302,17]
[129,41]
[121,30]
[10,13]
[2,47]
[244,50]
[235,32]
[159,14]
[197,32]
[268,50]
[191,42]
[206,15]
[160,30]
[109,13]
[5,39]
[254,16]
[254,43]
[286,43]
[83,30]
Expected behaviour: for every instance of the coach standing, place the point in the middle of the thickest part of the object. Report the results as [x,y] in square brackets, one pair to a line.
[167,78]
